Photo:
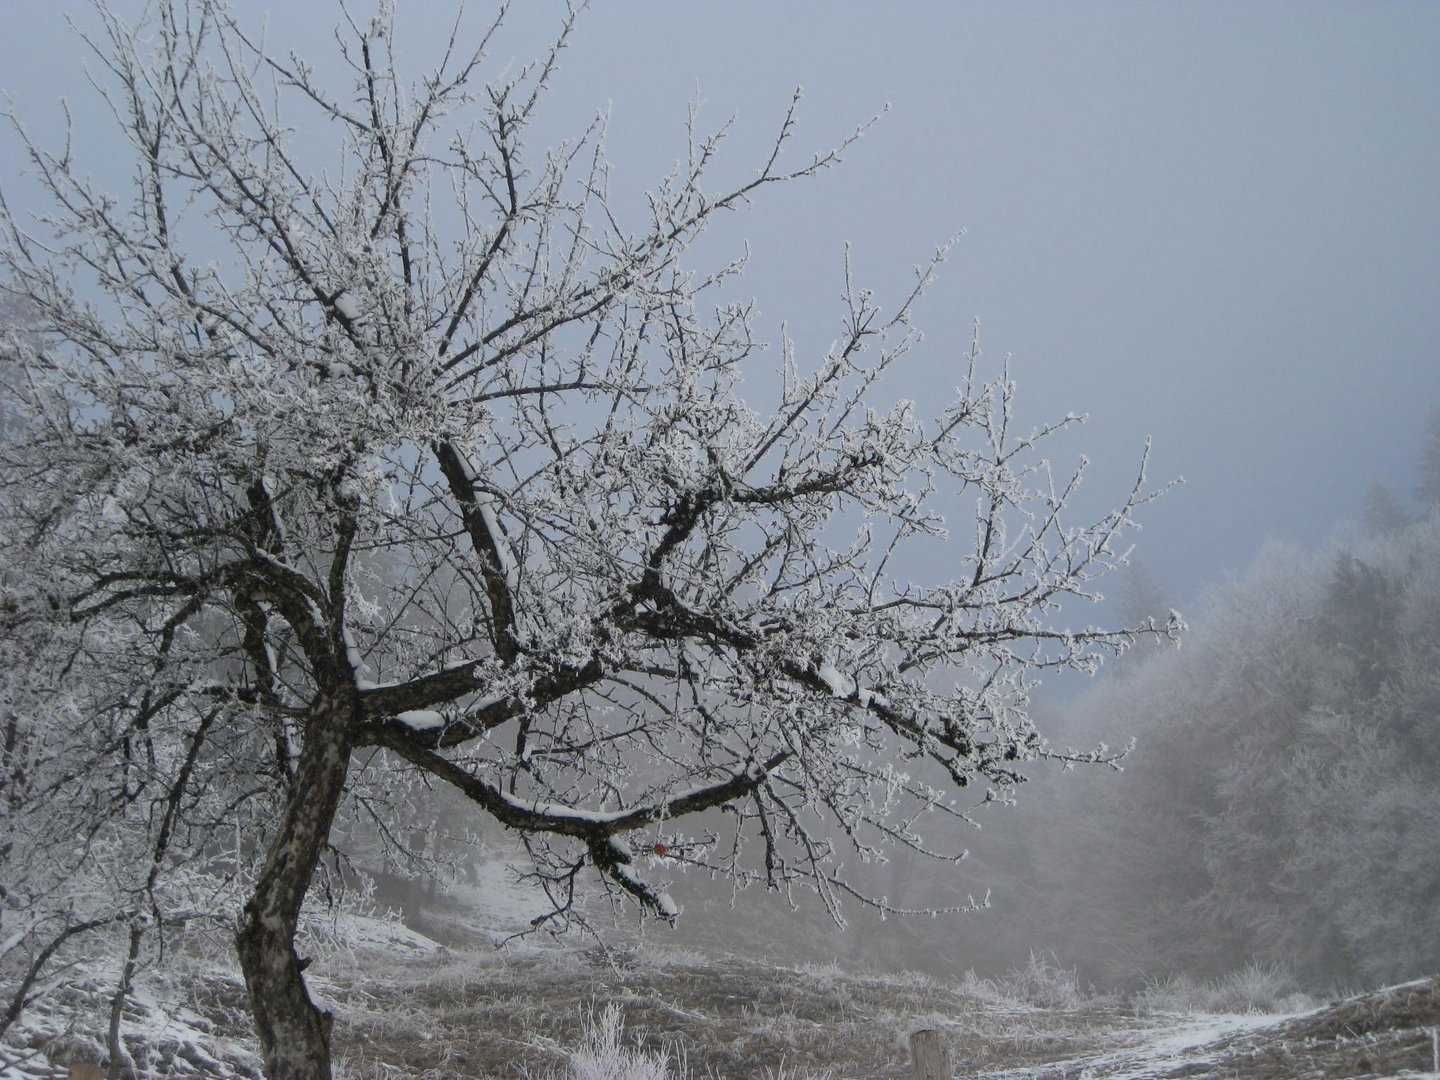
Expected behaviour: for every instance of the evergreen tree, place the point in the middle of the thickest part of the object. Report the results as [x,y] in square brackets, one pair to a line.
[1385,513]
[1281,802]
[1359,620]
[1142,602]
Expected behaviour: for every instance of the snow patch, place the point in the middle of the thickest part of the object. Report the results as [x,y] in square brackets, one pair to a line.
[869,697]
[840,685]
[370,934]
[346,306]
[421,719]
[508,566]
[556,810]
[352,654]
[485,503]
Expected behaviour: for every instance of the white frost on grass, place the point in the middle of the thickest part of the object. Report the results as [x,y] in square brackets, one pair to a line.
[495,902]
[1187,1043]
[162,1025]
[375,935]
[605,1055]
[1205,1030]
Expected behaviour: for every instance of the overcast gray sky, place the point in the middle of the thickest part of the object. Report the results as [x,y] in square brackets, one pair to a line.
[1215,224]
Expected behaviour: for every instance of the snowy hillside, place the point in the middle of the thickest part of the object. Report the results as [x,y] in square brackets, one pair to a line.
[408,1009]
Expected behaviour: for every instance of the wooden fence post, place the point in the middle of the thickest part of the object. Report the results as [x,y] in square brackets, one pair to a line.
[929,1056]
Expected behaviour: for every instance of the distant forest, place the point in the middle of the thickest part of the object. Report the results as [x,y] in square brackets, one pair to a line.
[1281,803]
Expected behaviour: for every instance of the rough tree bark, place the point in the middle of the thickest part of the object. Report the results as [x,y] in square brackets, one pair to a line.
[294,1033]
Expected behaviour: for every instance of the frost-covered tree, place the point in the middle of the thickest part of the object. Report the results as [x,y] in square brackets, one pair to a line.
[1322,853]
[1385,512]
[1281,801]
[367,438]
[1142,602]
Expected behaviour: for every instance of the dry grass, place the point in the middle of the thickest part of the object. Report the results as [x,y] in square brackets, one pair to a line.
[491,1015]
[1257,987]
[496,1015]
[464,1015]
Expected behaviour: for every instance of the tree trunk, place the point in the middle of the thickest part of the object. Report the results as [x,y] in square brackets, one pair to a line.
[294,1034]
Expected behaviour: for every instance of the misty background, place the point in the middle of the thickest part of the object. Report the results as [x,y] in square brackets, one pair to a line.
[1215,225]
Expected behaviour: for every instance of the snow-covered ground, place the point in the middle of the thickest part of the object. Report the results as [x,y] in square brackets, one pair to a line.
[1391,1034]
[407,1007]
[1172,1042]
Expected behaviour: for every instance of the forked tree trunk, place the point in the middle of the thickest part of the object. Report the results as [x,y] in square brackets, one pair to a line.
[294,1034]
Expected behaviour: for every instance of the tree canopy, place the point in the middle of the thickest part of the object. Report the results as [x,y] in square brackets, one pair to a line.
[425,456]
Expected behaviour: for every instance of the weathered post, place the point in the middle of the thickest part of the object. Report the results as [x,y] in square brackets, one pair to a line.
[929,1056]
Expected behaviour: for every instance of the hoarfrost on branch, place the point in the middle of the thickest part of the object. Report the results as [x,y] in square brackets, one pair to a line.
[437,448]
